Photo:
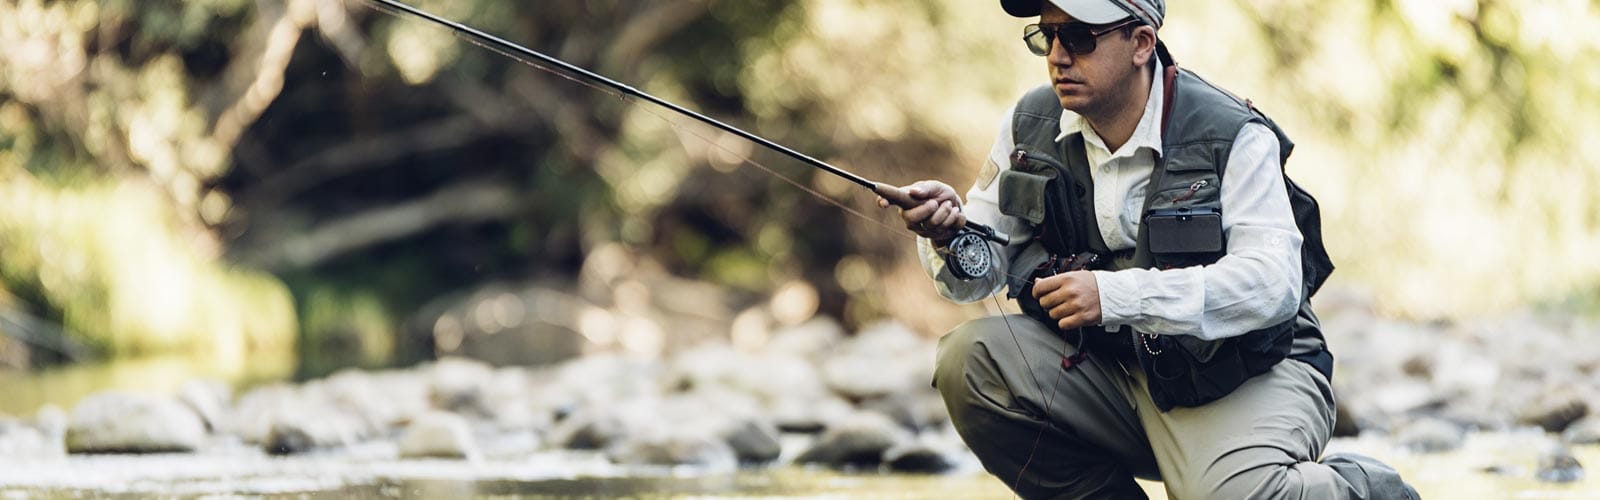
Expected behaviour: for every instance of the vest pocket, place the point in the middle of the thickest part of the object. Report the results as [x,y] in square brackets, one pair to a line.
[1022,195]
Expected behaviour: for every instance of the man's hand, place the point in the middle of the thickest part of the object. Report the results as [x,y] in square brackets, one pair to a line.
[938,217]
[1073,299]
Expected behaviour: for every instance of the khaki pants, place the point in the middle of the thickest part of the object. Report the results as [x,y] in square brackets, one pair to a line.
[1261,441]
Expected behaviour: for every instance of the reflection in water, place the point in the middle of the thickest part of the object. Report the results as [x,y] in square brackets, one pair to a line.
[1458,474]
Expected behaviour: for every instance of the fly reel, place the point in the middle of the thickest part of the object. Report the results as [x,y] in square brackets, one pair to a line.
[969,256]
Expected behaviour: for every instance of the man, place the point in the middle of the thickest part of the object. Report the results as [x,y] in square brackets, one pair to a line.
[1190,355]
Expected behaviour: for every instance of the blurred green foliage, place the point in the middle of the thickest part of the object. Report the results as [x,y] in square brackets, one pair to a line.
[227,176]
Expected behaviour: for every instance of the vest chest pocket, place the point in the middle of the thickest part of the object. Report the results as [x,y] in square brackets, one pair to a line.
[1022,195]
[1188,189]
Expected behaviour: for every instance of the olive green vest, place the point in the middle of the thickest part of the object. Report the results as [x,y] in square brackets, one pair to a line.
[1049,185]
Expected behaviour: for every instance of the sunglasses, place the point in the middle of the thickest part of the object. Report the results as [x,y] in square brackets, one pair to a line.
[1077,38]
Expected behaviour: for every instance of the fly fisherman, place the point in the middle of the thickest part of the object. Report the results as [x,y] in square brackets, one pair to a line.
[1188,352]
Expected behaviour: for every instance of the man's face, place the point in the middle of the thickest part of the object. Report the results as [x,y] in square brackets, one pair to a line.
[1087,84]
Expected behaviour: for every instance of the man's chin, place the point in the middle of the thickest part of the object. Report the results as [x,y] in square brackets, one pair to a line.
[1072,102]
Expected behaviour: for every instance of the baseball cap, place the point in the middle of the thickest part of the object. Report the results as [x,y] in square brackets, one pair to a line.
[1150,12]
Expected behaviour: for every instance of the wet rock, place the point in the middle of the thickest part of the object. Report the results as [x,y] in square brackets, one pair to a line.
[52,421]
[809,415]
[118,422]
[459,385]
[772,377]
[21,441]
[882,359]
[1504,470]
[1555,411]
[318,429]
[587,430]
[753,441]
[663,446]
[208,399]
[858,441]
[438,434]
[1559,466]
[917,457]
[511,445]
[253,417]
[1584,431]
[917,410]
[379,400]
[1430,435]
[810,339]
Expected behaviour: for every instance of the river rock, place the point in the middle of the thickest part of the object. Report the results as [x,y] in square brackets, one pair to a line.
[438,434]
[809,415]
[459,385]
[882,359]
[1430,435]
[917,457]
[915,410]
[119,422]
[1559,466]
[208,399]
[810,339]
[379,400]
[1584,431]
[857,441]
[1555,410]
[43,440]
[257,409]
[587,430]
[52,421]
[753,441]
[671,447]
[312,430]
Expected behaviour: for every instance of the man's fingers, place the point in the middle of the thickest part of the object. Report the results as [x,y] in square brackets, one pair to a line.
[920,213]
[941,216]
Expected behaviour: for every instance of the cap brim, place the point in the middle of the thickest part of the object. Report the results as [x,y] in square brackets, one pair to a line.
[1086,11]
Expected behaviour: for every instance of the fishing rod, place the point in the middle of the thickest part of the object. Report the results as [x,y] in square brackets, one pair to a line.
[899,197]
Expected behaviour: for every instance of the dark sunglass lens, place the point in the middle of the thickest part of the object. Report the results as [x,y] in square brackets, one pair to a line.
[1077,38]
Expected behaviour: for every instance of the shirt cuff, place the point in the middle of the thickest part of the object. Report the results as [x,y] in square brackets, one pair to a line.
[932,260]
[1119,298]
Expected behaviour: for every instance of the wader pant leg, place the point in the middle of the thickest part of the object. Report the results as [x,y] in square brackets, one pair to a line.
[1261,441]
[1046,432]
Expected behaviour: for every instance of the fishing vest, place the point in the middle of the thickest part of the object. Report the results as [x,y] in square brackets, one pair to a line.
[1049,186]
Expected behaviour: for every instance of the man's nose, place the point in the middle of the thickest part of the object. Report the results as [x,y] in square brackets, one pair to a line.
[1059,55]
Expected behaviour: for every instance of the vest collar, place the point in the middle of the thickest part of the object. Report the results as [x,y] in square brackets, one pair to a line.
[1146,135]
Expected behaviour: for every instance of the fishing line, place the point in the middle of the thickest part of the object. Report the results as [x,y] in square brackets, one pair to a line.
[974,233]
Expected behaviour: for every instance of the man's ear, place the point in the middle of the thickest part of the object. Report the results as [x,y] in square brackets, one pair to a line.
[1144,45]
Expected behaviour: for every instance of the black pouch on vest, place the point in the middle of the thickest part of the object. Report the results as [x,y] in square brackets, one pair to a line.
[1185,231]
[1188,371]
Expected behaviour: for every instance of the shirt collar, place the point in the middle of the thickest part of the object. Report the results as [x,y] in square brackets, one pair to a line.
[1146,135]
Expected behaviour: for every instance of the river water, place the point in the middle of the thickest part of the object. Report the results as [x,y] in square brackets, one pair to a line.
[374,473]
[1488,466]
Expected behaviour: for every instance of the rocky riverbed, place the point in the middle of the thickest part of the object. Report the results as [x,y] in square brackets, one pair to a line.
[1506,401]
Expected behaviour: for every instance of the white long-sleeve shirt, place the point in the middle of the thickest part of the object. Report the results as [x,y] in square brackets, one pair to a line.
[1255,285]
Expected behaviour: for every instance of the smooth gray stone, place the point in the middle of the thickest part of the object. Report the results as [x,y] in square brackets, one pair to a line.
[119,422]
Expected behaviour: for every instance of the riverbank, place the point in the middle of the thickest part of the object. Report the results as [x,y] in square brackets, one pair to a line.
[1496,406]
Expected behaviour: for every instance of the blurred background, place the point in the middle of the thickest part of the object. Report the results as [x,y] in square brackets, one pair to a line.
[279,189]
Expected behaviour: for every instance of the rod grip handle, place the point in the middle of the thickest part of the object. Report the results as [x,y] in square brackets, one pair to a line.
[903,199]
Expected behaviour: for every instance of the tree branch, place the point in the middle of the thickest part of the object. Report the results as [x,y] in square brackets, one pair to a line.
[469,201]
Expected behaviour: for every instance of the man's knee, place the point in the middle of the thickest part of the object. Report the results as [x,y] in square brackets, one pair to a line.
[964,349]
[1262,481]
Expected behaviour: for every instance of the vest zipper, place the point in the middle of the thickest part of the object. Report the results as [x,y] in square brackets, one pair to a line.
[1193,188]
[1020,154]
